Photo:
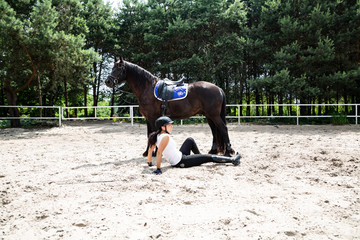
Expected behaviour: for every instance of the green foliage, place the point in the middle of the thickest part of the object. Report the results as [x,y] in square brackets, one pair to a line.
[339,119]
[258,51]
[44,56]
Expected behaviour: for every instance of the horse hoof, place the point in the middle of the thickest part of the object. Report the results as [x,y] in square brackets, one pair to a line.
[229,152]
[145,154]
[213,151]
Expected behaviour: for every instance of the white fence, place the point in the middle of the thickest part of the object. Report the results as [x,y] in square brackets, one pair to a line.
[58,108]
[297,111]
[98,115]
[103,112]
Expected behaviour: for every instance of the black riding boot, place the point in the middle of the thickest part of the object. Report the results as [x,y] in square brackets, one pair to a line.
[222,159]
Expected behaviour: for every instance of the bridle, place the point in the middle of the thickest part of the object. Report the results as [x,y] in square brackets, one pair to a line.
[115,79]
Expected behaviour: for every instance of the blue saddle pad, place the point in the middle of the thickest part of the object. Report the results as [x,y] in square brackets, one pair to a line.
[179,92]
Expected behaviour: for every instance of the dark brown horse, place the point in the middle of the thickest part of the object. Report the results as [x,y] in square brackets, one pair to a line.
[203,98]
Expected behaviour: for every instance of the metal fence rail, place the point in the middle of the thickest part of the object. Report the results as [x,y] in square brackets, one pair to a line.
[240,116]
[131,115]
[58,108]
[103,112]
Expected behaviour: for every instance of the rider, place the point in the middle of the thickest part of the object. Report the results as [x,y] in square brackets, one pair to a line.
[179,158]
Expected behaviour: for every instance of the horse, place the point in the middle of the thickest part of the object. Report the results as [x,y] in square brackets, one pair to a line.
[202,98]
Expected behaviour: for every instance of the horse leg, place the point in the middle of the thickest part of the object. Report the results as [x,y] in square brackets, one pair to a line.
[213,149]
[149,130]
[223,131]
[148,133]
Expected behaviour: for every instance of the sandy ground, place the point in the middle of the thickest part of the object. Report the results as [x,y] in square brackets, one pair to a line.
[90,181]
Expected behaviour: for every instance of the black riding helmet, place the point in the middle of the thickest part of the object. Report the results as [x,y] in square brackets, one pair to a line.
[162,121]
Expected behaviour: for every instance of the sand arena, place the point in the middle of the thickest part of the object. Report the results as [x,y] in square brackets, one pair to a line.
[90,181]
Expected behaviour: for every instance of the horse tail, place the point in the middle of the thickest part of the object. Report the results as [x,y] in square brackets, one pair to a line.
[223,107]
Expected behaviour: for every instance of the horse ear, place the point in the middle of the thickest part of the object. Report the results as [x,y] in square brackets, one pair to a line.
[115,59]
[121,60]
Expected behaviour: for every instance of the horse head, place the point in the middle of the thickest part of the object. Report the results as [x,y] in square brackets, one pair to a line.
[117,75]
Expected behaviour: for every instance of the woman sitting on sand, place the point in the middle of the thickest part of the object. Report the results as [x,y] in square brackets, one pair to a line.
[179,158]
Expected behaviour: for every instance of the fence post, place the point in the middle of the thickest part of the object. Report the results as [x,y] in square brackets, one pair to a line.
[132,115]
[356,114]
[60,116]
[297,114]
[239,122]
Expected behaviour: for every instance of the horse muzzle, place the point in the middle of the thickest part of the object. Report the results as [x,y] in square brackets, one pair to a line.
[110,82]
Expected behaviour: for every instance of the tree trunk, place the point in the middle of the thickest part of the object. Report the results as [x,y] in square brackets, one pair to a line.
[14,111]
[281,110]
[289,108]
[302,108]
[51,103]
[257,101]
[268,108]
[11,94]
[112,102]
[39,91]
[98,84]
[346,102]
[95,84]
[241,94]
[358,51]
[85,101]
[326,100]
[353,107]
[2,100]
[248,101]
[262,103]
[313,111]
[319,106]
[66,98]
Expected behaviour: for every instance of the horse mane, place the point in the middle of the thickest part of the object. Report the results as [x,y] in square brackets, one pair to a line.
[141,74]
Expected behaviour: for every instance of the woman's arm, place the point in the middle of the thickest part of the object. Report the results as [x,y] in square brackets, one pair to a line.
[164,142]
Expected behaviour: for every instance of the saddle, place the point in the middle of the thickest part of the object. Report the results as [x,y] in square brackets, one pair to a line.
[176,83]
[167,90]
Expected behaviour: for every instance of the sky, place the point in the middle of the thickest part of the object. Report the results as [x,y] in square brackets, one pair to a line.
[114,3]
